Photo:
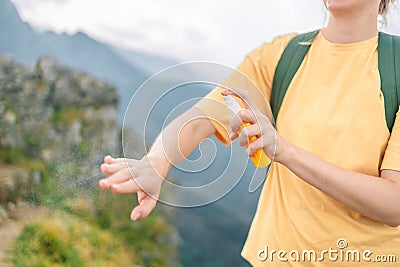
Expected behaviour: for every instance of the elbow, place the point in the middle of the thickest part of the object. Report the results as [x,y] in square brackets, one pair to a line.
[389,217]
[200,126]
[393,221]
[392,217]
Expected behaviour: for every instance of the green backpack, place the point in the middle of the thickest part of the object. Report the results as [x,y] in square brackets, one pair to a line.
[389,69]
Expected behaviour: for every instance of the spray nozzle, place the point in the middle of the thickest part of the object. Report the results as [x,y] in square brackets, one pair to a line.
[232,104]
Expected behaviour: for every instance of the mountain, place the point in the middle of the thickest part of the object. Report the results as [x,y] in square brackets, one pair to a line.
[122,69]
[55,122]
[149,63]
[204,230]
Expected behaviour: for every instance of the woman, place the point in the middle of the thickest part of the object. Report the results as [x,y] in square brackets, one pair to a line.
[334,188]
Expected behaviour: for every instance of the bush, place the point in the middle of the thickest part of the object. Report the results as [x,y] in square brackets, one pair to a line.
[64,240]
[67,115]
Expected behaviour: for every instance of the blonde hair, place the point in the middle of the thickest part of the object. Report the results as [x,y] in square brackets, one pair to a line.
[384,6]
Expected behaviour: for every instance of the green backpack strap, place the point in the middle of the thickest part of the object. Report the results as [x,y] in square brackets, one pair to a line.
[288,65]
[389,70]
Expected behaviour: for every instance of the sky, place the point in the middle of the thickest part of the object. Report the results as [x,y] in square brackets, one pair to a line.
[221,31]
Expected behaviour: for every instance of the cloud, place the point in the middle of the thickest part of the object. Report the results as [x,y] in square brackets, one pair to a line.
[222,31]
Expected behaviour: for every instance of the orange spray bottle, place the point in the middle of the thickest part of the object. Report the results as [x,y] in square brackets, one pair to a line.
[260,158]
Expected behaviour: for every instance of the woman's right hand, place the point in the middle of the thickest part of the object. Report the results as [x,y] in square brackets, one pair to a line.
[127,176]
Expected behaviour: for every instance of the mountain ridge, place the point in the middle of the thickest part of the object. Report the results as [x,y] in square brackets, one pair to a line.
[126,71]
[78,51]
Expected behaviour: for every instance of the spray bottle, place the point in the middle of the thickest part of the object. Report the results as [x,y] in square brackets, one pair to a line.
[260,158]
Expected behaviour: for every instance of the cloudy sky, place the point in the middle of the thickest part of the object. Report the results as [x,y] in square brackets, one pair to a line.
[214,30]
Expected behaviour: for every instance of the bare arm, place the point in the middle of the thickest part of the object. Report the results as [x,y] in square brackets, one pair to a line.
[179,139]
[375,197]
[145,176]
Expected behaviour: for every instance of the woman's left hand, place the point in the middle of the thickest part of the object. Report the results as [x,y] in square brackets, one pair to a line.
[261,127]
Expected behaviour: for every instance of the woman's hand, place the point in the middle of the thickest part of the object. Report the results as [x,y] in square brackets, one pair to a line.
[127,176]
[262,128]
[145,176]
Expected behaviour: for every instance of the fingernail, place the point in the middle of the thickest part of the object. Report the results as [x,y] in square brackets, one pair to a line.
[104,182]
[232,136]
[105,165]
[116,186]
[136,216]
[248,152]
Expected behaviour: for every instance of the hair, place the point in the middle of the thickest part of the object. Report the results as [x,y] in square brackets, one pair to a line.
[384,6]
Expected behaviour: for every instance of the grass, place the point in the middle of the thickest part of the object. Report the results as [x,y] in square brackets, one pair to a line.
[65,240]
[89,227]
[93,217]
[17,156]
[150,239]
[23,189]
[67,116]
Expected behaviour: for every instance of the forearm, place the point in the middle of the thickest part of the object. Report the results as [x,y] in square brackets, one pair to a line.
[374,197]
[177,141]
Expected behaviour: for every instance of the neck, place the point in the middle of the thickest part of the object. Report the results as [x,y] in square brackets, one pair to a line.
[351,29]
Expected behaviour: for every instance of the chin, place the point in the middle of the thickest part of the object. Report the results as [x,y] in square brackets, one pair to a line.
[335,6]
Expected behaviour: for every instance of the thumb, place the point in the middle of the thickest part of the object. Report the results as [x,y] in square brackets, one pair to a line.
[147,204]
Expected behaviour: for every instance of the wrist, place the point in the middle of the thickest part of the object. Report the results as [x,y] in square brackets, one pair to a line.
[285,151]
[159,162]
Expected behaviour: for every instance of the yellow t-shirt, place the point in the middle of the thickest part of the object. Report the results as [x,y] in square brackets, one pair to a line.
[334,108]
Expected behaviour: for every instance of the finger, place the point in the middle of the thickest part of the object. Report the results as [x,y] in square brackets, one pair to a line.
[254,146]
[143,210]
[120,165]
[233,136]
[249,132]
[108,168]
[246,115]
[141,195]
[108,159]
[235,124]
[244,95]
[127,187]
[118,177]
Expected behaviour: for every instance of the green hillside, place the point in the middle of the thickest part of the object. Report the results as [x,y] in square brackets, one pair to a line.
[55,125]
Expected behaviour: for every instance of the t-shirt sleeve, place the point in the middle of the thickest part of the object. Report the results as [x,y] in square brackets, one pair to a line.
[391,159]
[255,74]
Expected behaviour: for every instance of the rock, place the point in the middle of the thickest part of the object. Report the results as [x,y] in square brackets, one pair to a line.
[9,117]
[13,183]
[3,215]
[11,206]
[56,115]
[73,87]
